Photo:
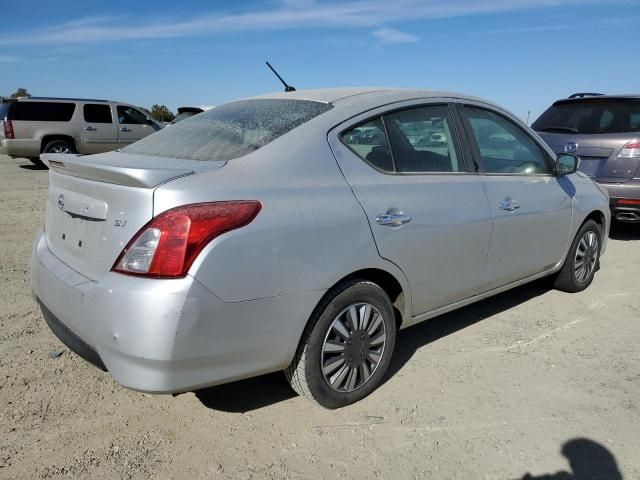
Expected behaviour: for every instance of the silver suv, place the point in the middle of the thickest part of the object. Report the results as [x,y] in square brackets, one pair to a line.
[604,130]
[31,126]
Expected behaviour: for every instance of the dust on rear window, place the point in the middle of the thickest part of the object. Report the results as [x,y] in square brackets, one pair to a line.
[229,131]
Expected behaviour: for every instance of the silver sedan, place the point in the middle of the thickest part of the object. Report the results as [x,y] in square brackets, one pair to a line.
[299,231]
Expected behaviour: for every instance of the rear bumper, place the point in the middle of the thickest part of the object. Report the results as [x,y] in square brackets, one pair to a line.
[622,197]
[20,148]
[166,336]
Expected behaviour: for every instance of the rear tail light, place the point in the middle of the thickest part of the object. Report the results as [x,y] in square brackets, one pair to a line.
[167,246]
[8,129]
[628,201]
[630,150]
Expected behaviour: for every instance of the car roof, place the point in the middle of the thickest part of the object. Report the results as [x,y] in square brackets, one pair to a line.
[350,101]
[362,94]
[597,98]
[60,99]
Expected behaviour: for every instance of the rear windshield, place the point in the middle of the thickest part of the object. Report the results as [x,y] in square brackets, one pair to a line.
[591,116]
[229,131]
[43,111]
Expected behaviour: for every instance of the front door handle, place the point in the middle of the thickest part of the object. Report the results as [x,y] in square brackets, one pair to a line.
[392,219]
[90,128]
[509,205]
[125,129]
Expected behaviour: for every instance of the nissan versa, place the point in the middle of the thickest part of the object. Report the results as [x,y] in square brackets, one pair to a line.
[299,231]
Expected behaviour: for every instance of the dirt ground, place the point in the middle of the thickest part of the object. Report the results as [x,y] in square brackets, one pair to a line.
[497,390]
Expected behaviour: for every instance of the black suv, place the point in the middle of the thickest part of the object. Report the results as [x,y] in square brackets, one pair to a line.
[604,130]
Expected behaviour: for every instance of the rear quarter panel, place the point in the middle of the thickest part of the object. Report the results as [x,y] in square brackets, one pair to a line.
[310,233]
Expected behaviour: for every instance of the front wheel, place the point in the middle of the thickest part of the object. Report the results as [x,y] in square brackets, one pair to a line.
[346,347]
[582,261]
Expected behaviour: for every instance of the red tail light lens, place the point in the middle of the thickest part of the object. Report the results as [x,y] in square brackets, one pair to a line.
[168,245]
[628,201]
[8,129]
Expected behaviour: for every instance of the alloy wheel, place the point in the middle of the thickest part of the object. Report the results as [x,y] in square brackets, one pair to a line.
[353,347]
[586,256]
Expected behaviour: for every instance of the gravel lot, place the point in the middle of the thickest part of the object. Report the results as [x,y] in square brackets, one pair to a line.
[494,391]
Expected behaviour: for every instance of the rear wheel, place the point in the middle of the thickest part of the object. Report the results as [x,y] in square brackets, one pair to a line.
[346,348]
[582,261]
[59,146]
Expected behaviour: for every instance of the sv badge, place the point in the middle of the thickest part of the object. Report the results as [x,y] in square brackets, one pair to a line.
[119,223]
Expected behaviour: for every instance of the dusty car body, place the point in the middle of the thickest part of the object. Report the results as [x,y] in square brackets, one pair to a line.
[255,237]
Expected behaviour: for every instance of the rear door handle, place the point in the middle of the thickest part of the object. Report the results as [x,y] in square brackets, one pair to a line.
[392,219]
[509,205]
[90,128]
[125,129]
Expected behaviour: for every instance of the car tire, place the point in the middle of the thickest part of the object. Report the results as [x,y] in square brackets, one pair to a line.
[338,362]
[582,261]
[59,146]
[36,161]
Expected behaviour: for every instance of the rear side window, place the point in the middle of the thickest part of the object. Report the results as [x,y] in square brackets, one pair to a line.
[414,140]
[97,113]
[421,140]
[43,111]
[591,116]
[229,131]
[369,142]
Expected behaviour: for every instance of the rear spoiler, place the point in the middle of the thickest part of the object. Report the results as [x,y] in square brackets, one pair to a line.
[103,169]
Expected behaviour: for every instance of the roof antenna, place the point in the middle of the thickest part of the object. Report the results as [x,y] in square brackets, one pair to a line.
[287,88]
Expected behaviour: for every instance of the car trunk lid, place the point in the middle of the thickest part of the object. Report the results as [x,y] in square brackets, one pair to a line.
[598,154]
[96,204]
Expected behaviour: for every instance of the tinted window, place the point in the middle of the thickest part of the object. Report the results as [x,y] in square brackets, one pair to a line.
[96,113]
[421,140]
[591,116]
[504,147]
[43,111]
[131,116]
[229,131]
[4,108]
[369,142]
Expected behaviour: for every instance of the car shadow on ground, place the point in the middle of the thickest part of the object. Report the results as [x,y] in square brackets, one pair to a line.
[413,338]
[588,460]
[259,392]
[624,231]
[247,395]
[34,166]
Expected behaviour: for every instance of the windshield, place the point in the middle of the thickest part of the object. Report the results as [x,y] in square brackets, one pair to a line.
[229,131]
[591,116]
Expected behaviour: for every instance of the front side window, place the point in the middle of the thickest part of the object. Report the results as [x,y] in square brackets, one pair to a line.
[503,146]
[97,113]
[131,116]
[229,131]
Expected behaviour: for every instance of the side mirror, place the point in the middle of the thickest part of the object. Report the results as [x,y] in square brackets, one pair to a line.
[567,163]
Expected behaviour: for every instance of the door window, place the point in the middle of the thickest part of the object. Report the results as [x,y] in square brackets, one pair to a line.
[43,111]
[369,141]
[131,116]
[94,113]
[414,140]
[421,140]
[504,147]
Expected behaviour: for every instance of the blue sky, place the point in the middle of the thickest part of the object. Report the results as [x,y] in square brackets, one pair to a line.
[523,54]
